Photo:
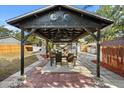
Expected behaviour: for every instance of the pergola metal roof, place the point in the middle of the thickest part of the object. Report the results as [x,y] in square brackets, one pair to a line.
[60,23]
[10,21]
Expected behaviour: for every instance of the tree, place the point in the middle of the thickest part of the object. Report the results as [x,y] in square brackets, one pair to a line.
[5,32]
[32,39]
[115,13]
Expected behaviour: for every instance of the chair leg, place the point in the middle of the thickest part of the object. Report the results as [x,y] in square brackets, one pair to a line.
[74,64]
[68,64]
[51,62]
[56,63]
[61,63]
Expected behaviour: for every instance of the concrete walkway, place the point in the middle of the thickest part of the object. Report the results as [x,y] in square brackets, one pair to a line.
[110,78]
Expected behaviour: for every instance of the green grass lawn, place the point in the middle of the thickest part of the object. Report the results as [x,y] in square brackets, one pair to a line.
[10,65]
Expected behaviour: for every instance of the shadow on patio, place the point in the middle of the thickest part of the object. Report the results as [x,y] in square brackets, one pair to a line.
[41,78]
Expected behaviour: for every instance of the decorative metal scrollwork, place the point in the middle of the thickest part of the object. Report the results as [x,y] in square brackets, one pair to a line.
[66,17]
[53,16]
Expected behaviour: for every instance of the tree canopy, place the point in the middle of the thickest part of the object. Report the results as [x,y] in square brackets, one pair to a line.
[5,32]
[115,13]
[33,39]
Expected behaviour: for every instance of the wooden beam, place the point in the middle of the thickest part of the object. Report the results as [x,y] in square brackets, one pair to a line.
[61,41]
[41,35]
[22,52]
[26,37]
[79,36]
[57,26]
[90,33]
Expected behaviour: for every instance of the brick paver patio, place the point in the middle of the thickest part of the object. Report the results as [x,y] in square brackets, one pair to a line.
[60,79]
[47,76]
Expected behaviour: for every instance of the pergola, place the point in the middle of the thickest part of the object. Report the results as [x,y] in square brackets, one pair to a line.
[60,23]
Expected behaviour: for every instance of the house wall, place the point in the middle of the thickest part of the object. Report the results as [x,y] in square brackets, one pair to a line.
[9,41]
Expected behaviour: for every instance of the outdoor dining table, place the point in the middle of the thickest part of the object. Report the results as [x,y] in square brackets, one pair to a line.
[53,58]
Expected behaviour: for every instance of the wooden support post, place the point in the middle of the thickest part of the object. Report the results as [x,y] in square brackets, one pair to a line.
[22,52]
[97,39]
[98,53]
[46,47]
[76,54]
[51,55]
[76,49]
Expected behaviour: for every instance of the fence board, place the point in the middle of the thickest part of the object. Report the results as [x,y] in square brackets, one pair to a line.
[113,58]
[6,49]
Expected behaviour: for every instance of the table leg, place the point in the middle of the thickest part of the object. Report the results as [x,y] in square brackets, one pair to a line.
[51,59]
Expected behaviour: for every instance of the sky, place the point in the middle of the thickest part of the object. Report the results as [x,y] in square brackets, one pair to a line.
[10,11]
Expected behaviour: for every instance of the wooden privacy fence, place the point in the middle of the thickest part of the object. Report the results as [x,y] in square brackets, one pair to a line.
[113,56]
[6,49]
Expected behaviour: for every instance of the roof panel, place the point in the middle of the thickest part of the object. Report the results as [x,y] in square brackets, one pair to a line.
[21,17]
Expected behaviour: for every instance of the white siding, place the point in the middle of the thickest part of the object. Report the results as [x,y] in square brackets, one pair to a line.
[36,48]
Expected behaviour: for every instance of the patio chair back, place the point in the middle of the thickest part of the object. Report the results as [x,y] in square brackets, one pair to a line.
[70,57]
[58,57]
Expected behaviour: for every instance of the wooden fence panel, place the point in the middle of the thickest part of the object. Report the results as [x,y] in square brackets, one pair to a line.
[113,58]
[13,49]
